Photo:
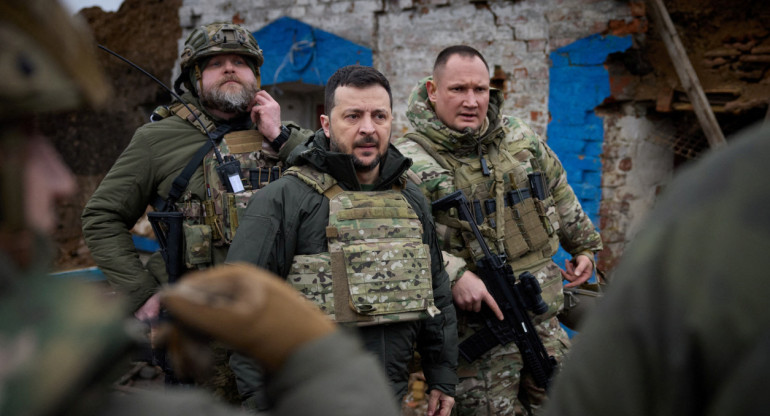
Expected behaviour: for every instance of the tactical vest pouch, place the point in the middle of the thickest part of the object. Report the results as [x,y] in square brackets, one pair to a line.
[526,220]
[234,206]
[375,240]
[387,278]
[548,215]
[197,239]
[514,242]
[213,220]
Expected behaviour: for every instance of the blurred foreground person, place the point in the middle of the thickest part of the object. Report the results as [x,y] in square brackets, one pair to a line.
[685,328]
[62,342]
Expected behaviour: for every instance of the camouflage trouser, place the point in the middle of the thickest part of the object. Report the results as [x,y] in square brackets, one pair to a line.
[490,385]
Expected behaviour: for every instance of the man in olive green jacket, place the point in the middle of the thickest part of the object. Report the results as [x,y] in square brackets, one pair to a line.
[220,69]
[292,225]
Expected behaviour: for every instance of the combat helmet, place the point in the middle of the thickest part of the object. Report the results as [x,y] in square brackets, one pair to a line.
[215,39]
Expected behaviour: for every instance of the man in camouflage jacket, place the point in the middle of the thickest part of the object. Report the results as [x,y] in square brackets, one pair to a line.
[290,219]
[462,141]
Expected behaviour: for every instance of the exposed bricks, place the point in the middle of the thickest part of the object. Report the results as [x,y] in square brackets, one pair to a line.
[725,52]
[755,58]
[747,56]
[623,28]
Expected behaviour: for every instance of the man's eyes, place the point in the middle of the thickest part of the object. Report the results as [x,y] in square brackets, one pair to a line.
[237,62]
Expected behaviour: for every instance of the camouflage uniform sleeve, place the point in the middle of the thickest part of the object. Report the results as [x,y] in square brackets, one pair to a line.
[435,182]
[577,233]
[437,340]
[112,211]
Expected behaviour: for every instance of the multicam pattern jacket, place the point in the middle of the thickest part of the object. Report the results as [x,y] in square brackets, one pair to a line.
[289,218]
[446,160]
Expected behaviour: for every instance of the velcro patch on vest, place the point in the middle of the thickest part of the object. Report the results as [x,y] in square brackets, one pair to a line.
[244,141]
[388,278]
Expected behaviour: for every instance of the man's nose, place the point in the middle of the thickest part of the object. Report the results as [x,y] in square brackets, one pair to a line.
[469,100]
[229,66]
[367,125]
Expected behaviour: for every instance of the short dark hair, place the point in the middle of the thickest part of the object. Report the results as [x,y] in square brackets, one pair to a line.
[462,50]
[357,76]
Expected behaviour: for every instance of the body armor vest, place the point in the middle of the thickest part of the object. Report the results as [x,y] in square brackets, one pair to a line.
[377,269]
[214,220]
[510,201]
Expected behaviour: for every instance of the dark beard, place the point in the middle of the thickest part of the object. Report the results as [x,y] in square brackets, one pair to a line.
[229,102]
[357,163]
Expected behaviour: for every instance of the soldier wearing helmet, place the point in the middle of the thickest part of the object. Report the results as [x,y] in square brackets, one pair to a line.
[175,163]
[220,72]
[61,339]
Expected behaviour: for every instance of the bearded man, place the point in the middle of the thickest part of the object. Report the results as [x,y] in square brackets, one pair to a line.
[220,70]
[173,165]
[345,228]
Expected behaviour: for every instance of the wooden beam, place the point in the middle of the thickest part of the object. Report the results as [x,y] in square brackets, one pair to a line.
[686,73]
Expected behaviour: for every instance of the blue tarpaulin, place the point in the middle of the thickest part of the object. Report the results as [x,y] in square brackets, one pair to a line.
[297,52]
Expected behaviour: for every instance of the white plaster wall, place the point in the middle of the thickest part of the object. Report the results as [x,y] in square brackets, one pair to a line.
[406,35]
[635,170]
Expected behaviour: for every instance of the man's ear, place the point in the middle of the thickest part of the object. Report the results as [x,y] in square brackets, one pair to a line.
[431,86]
[326,125]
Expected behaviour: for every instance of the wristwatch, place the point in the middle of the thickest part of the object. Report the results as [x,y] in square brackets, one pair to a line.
[281,139]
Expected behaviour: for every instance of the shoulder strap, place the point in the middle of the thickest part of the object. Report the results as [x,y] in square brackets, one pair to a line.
[181,181]
[426,144]
[319,181]
[182,112]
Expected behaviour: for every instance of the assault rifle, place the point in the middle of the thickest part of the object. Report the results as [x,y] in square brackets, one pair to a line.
[514,299]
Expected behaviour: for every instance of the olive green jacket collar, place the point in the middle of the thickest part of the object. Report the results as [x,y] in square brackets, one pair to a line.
[340,166]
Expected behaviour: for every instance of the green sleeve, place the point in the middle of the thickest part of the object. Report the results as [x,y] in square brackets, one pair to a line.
[112,211]
[296,141]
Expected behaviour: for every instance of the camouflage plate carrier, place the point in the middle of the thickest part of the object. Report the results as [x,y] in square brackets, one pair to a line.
[213,222]
[526,227]
[377,269]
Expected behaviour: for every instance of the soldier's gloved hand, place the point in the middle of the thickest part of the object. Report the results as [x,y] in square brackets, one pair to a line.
[252,310]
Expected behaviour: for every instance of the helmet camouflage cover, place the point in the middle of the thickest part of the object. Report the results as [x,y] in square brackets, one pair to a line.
[215,39]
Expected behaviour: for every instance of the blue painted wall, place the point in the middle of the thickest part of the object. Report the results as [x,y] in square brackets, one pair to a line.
[297,52]
[578,83]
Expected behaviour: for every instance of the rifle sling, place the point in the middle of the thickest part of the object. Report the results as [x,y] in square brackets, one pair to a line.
[180,183]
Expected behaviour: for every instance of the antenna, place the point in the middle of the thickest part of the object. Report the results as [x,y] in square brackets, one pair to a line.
[173,94]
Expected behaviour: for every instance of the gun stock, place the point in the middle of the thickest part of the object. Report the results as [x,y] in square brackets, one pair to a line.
[167,227]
